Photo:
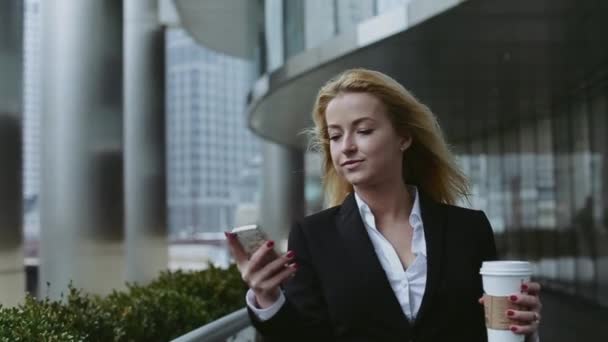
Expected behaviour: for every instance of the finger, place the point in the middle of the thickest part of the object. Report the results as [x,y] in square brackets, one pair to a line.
[236,249]
[263,279]
[524,329]
[275,266]
[262,256]
[531,288]
[526,301]
[523,317]
[281,277]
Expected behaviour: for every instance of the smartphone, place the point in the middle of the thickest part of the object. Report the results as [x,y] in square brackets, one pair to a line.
[251,237]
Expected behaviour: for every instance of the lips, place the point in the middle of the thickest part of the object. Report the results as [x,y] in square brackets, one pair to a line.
[351,162]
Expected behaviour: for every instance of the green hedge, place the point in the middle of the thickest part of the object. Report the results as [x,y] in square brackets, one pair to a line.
[170,306]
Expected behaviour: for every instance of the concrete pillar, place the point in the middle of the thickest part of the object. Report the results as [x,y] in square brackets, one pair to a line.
[81,238]
[144,142]
[282,189]
[12,278]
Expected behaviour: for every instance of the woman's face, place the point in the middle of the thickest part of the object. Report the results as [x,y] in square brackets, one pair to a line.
[365,148]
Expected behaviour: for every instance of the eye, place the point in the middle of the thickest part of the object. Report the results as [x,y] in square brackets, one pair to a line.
[365,131]
[334,137]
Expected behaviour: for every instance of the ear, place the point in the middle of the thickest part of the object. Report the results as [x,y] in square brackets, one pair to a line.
[405,143]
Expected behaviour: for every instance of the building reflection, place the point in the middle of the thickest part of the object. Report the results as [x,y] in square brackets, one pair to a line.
[542,182]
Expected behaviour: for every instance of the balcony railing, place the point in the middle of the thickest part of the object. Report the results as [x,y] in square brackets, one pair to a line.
[233,327]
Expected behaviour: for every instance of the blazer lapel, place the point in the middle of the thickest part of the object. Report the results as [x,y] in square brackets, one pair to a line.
[381,301]
[433,219]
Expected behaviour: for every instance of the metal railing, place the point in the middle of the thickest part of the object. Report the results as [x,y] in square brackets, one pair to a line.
[220,329]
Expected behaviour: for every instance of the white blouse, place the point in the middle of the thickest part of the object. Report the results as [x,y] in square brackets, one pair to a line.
[408,284]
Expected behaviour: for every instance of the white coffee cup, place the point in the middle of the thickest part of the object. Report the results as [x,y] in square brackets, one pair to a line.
[502,279]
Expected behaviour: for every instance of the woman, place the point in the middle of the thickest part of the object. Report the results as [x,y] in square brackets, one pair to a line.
[394,259]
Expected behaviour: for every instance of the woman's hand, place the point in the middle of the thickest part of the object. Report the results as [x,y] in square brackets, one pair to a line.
[527,319]
[264,271]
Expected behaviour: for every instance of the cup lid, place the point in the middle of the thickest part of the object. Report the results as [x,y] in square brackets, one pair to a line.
[507,267]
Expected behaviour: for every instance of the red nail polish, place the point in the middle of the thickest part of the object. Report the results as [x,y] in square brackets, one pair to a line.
[294,265]
[510,313]
[513,298]
[291,254]
[513,329]
[524,287]
[269,244]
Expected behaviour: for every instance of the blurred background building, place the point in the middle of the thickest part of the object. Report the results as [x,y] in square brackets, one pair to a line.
[210,150]
[31,116]
[183,118]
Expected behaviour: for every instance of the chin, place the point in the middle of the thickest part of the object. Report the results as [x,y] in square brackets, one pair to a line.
[357,180]
[359,177]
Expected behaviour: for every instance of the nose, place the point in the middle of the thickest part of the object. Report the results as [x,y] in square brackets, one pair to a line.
[348,144]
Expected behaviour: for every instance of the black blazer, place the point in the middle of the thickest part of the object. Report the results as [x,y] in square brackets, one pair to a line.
[340,291]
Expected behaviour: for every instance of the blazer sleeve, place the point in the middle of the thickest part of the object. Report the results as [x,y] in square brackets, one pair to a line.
[304,315]
[488,245]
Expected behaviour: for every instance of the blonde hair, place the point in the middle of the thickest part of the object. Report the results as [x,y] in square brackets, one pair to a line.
[428,163]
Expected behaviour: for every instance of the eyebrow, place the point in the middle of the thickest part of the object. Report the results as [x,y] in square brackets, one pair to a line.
[354,123]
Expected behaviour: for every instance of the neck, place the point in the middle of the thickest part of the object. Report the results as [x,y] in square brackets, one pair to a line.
[389,201]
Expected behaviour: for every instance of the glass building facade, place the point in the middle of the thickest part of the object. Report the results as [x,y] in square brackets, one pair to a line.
[541,181]
[308,23]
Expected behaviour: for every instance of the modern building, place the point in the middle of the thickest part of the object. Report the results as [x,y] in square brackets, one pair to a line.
[213,159]
[96,142]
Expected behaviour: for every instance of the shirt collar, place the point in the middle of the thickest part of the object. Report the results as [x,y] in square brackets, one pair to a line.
[415,215]
[418,240]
